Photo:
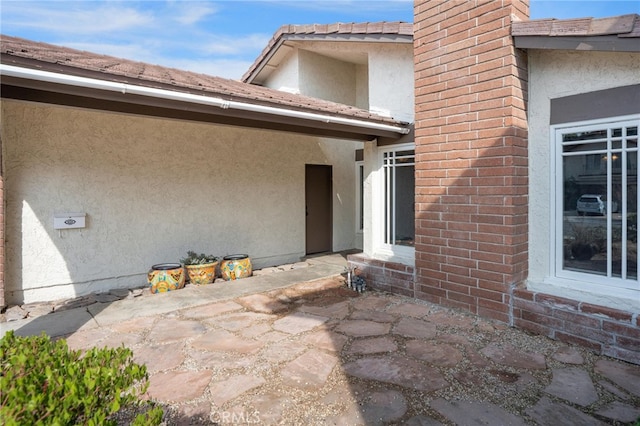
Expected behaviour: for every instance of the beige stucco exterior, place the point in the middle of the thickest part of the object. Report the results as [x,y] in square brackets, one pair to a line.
[152,189]
[369,75]
[391,81]
[555,74]
[285,77]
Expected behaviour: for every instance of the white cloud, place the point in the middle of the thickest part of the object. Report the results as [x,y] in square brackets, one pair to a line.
[74,17]
[226,45]
[191,13]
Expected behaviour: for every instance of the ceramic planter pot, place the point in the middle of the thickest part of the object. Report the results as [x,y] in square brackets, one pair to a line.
[202,274]
[236,266]
[165,277]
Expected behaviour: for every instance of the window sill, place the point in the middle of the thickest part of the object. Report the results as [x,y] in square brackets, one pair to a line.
[405,256]
[581,291]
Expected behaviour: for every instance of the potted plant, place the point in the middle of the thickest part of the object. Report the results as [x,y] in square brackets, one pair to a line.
[201,268]
[165,277]
[236,266]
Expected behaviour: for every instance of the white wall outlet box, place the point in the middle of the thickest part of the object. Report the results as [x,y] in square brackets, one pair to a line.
[69,220]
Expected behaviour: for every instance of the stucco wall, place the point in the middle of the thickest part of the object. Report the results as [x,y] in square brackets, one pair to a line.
[327,78]
[362,86]
[391,81]
[554,74]
[286,77]
[152,189]
[374,76]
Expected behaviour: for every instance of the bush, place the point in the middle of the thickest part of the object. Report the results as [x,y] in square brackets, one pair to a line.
[194,258]
[44,382]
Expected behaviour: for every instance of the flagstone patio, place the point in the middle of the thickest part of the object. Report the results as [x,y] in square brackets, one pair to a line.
[316,352]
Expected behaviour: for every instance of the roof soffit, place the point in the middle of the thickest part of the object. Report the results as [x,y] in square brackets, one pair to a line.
[54,74]
[376,32]
[30,55]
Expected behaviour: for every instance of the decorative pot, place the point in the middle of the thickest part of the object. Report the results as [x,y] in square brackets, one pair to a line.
[236,266]
[166,277]
[204,273]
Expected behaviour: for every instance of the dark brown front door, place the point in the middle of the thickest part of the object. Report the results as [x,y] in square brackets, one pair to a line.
[319,226]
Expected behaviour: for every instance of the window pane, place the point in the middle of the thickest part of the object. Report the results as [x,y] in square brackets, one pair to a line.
[632,216]
[361,197]
[583,136]
[399,213]
[405,196]
[388,205]
[599,203]
[616,217]
[581,147]
[584,215]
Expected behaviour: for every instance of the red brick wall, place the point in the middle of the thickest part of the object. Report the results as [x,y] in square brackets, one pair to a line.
[472,183]
[385,276]
[471,155]
[2,298]
[604,330]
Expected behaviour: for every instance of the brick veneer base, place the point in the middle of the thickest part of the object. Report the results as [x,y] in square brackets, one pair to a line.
[386,276]
[606,331]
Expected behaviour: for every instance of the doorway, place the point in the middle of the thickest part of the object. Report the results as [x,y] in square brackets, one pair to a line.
[319,208]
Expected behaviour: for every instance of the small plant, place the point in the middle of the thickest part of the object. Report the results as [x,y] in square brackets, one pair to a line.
[44,382]
[194,258]
[587,241]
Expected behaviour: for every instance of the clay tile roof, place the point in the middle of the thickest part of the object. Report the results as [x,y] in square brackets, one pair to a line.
[635,32]
[398,28]
[46,57]
[620,26]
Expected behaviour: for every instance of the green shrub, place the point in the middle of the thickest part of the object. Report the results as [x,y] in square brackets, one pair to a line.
[43,382]
[194,258]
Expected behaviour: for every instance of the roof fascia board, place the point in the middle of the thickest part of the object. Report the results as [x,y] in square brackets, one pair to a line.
[373,38]
[599,43]
[270,54]
[74,85]
[23,94]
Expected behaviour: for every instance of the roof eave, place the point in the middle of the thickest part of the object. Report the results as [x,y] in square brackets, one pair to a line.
[611,43]
[47,87]
[265,57]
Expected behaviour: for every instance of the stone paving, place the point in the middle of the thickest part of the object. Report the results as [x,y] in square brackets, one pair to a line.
[317,353]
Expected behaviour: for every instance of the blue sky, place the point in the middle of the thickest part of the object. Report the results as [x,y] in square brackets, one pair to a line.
[217,37]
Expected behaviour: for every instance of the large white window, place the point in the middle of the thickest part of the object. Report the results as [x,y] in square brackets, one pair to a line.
[596,204]
[395,233]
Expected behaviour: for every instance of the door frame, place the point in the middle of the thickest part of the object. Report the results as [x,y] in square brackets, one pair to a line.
[328,204]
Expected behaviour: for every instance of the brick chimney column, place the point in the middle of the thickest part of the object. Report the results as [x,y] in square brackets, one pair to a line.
[2,297]
[471,154]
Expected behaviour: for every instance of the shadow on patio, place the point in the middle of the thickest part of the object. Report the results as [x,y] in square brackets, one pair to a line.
[316,352]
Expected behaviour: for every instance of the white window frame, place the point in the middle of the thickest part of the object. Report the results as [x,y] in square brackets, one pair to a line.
[382,250]
[603,286]
[359,197]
